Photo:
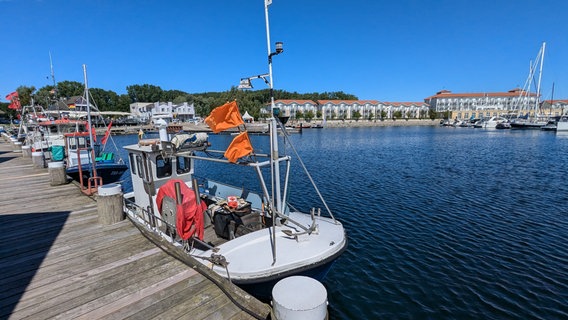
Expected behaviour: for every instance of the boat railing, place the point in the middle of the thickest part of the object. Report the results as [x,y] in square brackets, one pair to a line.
[94,181]
[152,221]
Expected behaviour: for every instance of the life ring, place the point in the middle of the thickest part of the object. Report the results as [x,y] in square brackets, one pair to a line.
[189,215]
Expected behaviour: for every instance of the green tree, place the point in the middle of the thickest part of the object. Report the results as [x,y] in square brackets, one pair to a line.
[397,114]
[67,89]
[25,95]
[356,115]
[144,93]
[299,114]
[123,103]
[432,114]
[104,100]
[309,116]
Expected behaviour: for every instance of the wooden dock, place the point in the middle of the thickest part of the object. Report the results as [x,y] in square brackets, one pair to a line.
[58,262]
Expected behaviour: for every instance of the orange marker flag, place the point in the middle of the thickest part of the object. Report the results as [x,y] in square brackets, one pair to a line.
[224,117]
[239,147]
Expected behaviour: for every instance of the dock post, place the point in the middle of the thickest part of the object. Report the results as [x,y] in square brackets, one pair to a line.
[57,174]
[38,160]
[110,204]
[26,151]
[299,297]
[17,146]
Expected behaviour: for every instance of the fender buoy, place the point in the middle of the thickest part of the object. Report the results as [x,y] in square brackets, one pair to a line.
[188,213]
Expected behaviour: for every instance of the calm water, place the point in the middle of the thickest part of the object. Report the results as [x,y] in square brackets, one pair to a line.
[443,223]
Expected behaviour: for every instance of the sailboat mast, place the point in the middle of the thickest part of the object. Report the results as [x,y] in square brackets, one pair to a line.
[539,78]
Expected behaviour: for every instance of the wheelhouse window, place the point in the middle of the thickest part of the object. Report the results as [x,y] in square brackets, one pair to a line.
[140,166]
[183,165]
[72,144]
[163,167]
[132,163]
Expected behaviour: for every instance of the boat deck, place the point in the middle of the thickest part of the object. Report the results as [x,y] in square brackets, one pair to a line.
[57,261]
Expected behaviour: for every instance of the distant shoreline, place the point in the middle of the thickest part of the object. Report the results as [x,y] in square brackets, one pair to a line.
[202,127]
[371,123]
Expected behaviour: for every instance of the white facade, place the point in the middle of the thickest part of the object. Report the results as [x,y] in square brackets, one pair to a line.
[146,111]
[345,109]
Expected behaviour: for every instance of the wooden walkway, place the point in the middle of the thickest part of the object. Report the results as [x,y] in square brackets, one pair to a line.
[58,262]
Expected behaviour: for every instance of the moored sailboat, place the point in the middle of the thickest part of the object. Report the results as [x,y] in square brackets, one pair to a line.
[534,119]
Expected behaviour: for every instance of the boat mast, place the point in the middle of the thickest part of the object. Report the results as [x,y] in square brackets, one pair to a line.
[537,104]
[276,200]
[88,104]
[52,75]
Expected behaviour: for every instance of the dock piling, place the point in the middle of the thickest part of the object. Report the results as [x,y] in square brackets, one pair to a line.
[110,204]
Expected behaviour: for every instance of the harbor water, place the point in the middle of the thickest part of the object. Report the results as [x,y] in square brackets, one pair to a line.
[443,223]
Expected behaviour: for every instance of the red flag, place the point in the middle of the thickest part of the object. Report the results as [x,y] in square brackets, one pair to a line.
[107,134]
[10,96]
[224,117]
[88,127]
[239,147]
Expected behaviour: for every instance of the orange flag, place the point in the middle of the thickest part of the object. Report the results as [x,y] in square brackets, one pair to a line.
[239,148]
[224,117]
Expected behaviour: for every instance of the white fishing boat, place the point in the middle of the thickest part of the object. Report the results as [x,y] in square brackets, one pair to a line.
[251,238]
[562,124]
[87,161]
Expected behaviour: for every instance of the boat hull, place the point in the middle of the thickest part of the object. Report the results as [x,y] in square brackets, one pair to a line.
[527,125]
[109,172]
[262,288]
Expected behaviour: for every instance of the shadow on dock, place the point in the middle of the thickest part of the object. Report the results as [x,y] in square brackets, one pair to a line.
[26,240]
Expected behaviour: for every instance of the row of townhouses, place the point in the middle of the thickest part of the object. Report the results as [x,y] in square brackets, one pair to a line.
[148,111]
[345,109]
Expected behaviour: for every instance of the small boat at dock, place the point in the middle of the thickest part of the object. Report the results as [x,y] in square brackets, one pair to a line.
[250,234]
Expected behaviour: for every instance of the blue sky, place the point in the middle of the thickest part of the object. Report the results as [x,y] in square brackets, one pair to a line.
[402,50]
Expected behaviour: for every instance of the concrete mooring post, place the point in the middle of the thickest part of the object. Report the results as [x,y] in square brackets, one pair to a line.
[110,204]
[17,146]
[26,151]
[57,174]
[38,160]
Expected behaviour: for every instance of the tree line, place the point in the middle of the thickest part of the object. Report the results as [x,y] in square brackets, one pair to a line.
[108,100]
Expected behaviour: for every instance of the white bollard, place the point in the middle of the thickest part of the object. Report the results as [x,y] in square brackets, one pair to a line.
[57,173]
[26,151]
[299,297]
[17,146]
[110,204]
[37,159]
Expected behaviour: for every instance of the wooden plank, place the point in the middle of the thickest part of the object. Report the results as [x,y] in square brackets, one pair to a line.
[56,261]
[106,309]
